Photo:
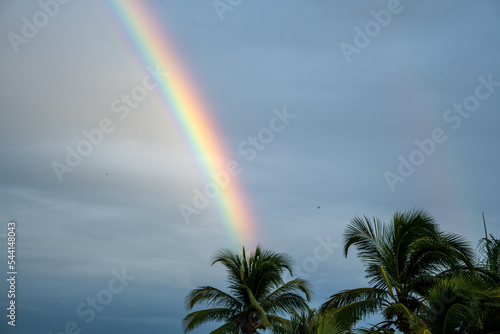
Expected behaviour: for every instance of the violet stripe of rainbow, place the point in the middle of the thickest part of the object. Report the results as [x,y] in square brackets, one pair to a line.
[189,111]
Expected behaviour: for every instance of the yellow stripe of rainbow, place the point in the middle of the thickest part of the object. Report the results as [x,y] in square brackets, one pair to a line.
[189,110]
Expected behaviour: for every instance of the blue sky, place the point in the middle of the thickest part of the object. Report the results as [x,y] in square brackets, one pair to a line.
[395,106]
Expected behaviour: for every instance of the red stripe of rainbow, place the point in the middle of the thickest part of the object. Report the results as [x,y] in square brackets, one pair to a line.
[189,110]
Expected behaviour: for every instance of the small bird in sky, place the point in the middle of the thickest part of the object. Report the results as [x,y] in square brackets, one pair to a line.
[318,207]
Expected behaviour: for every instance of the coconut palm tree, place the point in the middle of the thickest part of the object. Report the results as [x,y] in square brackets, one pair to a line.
[256,294]
[402,259]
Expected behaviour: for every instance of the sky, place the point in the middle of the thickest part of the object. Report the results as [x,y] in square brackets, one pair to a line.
[320,112]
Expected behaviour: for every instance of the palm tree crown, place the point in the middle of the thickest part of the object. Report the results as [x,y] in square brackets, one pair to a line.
[257,294]
[402,259]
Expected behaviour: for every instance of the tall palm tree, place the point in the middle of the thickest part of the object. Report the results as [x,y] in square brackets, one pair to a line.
[257,294]
[402,259]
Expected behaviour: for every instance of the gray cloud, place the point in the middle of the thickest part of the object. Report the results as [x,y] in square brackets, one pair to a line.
[118,208]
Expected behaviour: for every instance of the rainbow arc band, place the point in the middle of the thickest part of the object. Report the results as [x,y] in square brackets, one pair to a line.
[187,109]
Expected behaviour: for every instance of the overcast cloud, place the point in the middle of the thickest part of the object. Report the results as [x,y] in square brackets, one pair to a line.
[374,131]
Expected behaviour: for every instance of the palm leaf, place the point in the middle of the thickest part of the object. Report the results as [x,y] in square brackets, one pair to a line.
[211,296]
[353,305]
[198,318]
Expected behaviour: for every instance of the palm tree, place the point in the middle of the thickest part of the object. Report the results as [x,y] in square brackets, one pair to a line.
[402,260]
[257,294]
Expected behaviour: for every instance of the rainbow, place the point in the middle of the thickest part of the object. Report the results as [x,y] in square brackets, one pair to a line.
[189,110]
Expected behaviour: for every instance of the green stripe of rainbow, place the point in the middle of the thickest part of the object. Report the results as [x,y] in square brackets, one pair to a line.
[189,110]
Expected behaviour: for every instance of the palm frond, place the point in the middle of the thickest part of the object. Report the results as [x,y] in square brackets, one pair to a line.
[353,305]
[365,236]
[231,327]
[198,318]
[211,296]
